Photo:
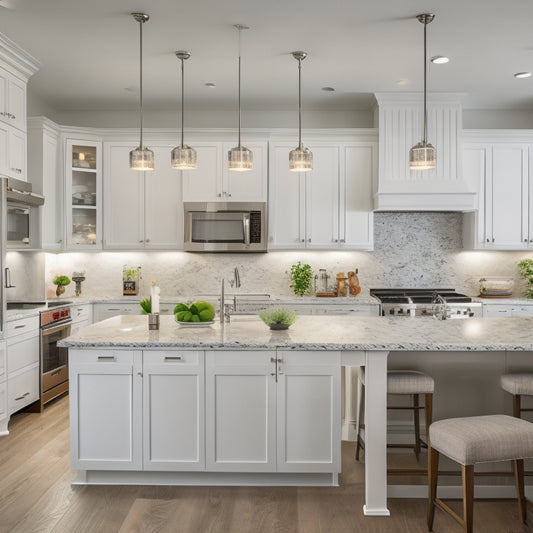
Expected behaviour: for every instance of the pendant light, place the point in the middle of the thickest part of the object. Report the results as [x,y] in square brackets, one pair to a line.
[240,158]
[142,158]
[423,155]
[301,158]
[183,156]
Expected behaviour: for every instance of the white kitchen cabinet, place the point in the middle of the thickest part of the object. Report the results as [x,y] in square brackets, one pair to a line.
[47,180]
[327,208]
[308,412]
[240,411]
[143,210]
[12,100]
[101,311]
[173,410]
[106,425]
[83,194]
[211,181]
[4,410]
[268,411]
[23,363]
[13,152]
[81,317]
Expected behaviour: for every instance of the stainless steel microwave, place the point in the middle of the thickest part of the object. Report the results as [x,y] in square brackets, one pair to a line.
[225,227]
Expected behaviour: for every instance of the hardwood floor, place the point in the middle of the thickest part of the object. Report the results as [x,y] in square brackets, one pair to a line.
[36,496]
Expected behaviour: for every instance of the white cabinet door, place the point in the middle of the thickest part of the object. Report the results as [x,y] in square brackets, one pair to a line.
[249,186]
[4,150]
[240,411]
[322,198]
[163,205]
[17,154]
[286,201]
[23,388]
[123,199]
[173,410]
[204,183]
[358,171]
[509,186]
[308,412]
[52,212]
[106,418]
[17,103]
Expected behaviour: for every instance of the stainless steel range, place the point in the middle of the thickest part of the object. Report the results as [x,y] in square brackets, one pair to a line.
[441,303]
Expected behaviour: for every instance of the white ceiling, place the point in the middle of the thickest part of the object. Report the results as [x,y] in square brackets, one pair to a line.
[89,51]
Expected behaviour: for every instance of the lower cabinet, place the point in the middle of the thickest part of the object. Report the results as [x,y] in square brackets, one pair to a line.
[105,412]
[262,411]
[173,410]
[273,411]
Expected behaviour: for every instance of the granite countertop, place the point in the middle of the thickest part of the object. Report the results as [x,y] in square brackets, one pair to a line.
[314,333]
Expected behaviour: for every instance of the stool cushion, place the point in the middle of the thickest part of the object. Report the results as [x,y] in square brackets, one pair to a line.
[517,382]
[405,382]
[482,439]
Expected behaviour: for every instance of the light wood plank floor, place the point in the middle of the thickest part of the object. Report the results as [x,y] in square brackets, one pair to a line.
[36,496]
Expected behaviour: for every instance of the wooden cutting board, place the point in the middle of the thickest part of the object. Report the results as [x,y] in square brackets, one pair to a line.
[326,295]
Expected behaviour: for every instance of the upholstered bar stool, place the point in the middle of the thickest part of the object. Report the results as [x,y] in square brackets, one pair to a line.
[472,440]
[403,382]
[518,384]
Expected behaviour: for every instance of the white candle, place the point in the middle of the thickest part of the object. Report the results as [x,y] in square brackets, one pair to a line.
[154,296]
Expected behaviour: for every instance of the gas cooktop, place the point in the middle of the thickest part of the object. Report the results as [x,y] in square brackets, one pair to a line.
[423,296]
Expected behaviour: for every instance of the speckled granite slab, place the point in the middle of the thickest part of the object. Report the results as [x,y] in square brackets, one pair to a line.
[314,333]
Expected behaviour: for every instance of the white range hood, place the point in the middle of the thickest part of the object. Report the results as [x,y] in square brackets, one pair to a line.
[400,122]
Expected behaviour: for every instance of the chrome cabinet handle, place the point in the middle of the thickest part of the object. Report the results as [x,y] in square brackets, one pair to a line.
[173,358]
[22,397]
[106,358]
[20,326]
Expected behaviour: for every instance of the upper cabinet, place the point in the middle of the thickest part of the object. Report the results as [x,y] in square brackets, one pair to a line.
[327,208]
[143,210]
[213,182]
[83,194]
[16,67]
[502,165]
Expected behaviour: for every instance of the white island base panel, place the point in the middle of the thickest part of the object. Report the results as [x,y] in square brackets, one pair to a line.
[248,479]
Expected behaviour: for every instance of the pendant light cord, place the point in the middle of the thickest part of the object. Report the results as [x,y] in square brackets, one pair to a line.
[240,29]
[182,99]
[425,76]
[141,77]
[300,104]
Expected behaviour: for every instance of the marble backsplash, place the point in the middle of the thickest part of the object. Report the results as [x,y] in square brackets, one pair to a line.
[410,250]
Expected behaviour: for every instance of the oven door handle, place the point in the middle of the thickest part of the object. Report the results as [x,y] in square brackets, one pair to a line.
[49,331]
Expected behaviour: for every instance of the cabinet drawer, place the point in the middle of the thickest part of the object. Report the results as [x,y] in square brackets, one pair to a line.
[100,356]
[21,354]
[22,325]
[80,313]
[171,357]
[23,389]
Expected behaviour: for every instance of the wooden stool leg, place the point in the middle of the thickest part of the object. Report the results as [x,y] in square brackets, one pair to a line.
[468,497]
[516,405]
[429,413]
[433,473]
[416,413]
[519,478]
[361,410]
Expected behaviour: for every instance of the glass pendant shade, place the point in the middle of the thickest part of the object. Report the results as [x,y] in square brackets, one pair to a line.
[240,159]
[422,156]
[142,158]
[183,158]
[301,159]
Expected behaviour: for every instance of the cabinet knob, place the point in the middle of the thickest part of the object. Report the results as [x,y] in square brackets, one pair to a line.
[493,239]
[309,240]
[525,240]
[488,240]
[147,240]
[219,194]
[229,195]
[343,240]
[302,240]
[335,240]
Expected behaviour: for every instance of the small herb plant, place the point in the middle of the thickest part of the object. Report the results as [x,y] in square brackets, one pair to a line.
[525,268]
[61,280]
[278,316]
[301,277]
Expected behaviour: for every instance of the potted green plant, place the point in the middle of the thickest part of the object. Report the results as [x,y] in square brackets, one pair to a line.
[61,282]
[301,278]
[278,318]
[525,268]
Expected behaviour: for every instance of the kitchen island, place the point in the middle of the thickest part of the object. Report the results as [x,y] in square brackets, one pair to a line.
[240,404]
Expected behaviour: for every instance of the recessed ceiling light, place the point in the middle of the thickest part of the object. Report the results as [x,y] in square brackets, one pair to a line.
[402,82]
[440,60]
[328,89]
[210,85]
[522,75]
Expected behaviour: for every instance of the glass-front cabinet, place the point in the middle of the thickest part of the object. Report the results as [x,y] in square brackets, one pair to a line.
[84,194]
